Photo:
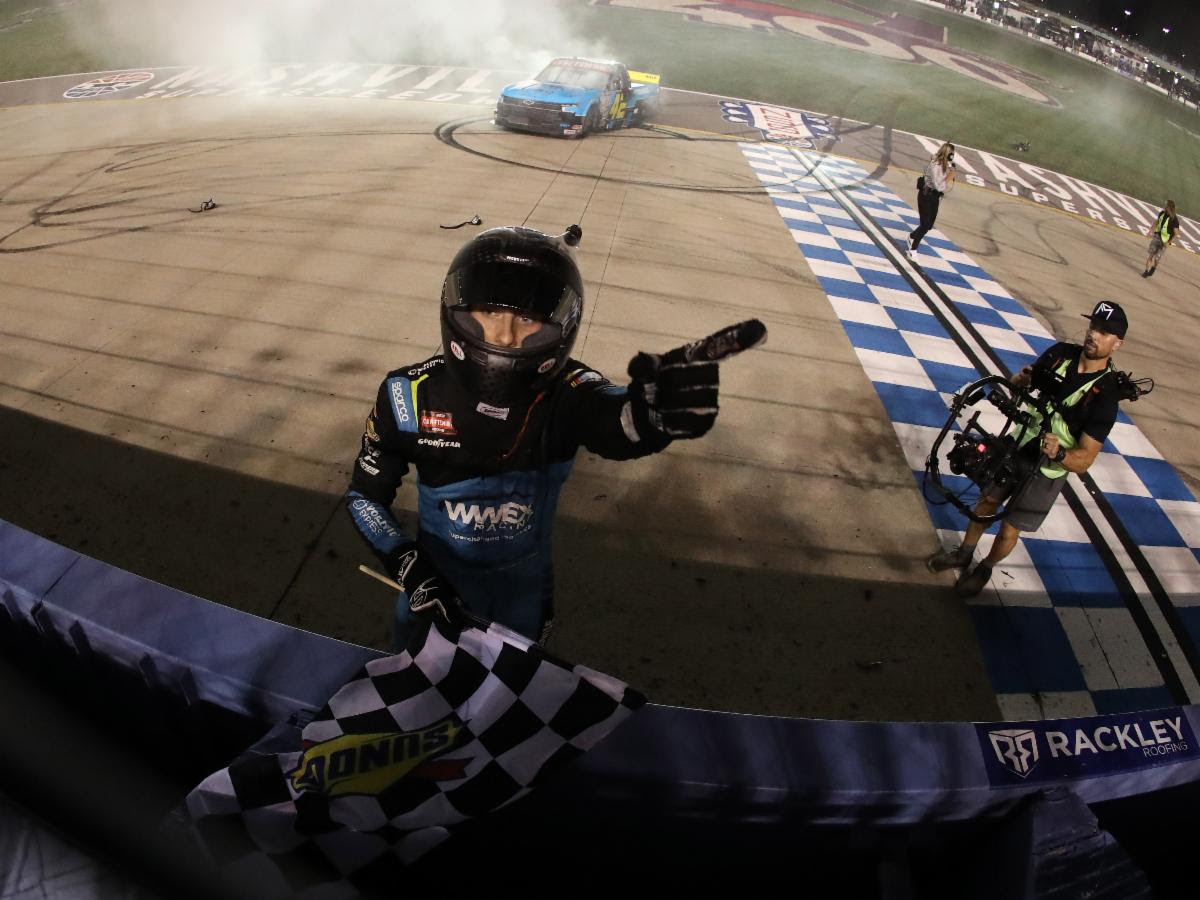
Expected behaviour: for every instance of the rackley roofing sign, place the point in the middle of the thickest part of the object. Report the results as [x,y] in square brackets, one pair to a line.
[1021,752]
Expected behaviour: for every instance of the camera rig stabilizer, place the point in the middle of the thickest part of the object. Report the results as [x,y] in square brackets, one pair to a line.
[988,458]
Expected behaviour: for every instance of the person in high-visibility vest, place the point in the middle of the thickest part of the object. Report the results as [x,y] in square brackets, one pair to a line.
[1082,412]
[1161,234]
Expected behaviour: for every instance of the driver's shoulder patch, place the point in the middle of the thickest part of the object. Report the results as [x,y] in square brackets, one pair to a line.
[402,395]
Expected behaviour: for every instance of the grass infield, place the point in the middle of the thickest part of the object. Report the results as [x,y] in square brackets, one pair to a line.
[1107,129]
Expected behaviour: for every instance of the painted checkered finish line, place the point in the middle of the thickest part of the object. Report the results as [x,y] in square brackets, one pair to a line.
[1080,619]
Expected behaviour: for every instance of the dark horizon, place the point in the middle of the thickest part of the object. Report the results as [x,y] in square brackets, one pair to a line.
[1144,24]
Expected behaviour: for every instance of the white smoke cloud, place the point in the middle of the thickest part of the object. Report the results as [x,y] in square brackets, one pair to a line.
[508,34]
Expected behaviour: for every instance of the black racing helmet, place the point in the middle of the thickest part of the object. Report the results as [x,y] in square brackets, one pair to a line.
[531,273]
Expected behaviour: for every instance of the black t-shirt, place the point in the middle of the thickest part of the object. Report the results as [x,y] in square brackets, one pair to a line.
[1096,412]
[1172,223]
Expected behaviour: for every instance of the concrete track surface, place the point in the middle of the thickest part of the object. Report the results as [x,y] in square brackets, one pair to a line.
[182,394]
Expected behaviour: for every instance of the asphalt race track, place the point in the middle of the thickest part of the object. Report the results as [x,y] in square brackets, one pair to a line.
[182,393]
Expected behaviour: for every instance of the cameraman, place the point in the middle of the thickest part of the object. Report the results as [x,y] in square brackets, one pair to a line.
[1083,396]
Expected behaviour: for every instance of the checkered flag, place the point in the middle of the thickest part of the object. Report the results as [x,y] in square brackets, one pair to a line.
[461,723]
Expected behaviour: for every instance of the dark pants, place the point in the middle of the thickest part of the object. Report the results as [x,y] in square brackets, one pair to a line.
[927,207]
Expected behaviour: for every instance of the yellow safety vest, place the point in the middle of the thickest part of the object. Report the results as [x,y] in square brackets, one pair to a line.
[1161,226]
[1058,425]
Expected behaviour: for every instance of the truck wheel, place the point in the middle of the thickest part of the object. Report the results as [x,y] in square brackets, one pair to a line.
[591,122]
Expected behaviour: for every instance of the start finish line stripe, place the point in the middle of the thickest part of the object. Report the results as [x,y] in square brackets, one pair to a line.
[1054,624]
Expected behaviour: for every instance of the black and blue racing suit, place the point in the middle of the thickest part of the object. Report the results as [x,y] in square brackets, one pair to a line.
[488,480]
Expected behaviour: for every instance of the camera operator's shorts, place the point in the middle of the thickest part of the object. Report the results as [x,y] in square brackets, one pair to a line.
[1029,506]
[1157,247]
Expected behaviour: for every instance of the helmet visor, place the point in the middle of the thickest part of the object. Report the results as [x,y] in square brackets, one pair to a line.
[525,290]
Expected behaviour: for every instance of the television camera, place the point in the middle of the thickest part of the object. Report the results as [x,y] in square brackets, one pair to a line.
[1001,456]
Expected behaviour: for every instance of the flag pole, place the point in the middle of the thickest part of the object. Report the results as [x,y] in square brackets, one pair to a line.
[379,576]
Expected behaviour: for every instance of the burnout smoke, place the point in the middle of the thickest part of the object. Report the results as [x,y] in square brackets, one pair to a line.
[510,34]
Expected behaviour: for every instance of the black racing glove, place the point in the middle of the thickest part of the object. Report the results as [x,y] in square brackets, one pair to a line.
[675,394]
[428,591]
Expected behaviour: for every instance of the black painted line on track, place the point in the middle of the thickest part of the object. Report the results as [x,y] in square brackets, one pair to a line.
[1124,584]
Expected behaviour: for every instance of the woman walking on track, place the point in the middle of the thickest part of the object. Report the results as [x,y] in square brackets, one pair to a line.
[938,178]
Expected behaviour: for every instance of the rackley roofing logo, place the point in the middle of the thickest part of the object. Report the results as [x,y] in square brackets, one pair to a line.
[1073,748]
[1017,750]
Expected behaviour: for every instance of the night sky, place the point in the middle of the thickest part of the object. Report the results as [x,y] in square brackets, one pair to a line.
[1145,22]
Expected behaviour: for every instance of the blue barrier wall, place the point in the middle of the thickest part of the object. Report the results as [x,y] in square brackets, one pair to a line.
[676,768]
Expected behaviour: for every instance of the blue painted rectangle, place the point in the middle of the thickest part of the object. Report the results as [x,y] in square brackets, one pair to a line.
[875,337]
[982,315]
[968,270]
[832,218]
[948,378]
[825,202]
[1160,478]
[914,406]
[861,247]
[804,225]
[1013,361]
[837,287]
[1073,573]
[892,280]
[1061,749]
[1026,650]
[791,203]
[869,204]
[944,515]
[921,323]
[829,254]
[947,278]
[1003,304]
[1145,521]
[1039,344]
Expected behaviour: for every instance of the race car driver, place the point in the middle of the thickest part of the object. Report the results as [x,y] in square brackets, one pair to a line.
[492,425]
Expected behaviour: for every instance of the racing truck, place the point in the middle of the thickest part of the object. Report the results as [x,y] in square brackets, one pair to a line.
[573,97]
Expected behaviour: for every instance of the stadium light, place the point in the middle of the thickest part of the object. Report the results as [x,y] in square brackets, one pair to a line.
[1166,30]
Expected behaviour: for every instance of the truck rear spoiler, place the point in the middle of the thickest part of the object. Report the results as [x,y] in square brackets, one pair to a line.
[643,77]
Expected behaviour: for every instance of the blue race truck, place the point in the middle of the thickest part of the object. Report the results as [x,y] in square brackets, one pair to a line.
[574,97]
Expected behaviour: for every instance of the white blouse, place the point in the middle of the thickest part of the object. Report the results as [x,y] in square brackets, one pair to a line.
[934,176]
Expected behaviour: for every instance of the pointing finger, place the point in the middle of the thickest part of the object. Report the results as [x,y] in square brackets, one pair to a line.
[726,342]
